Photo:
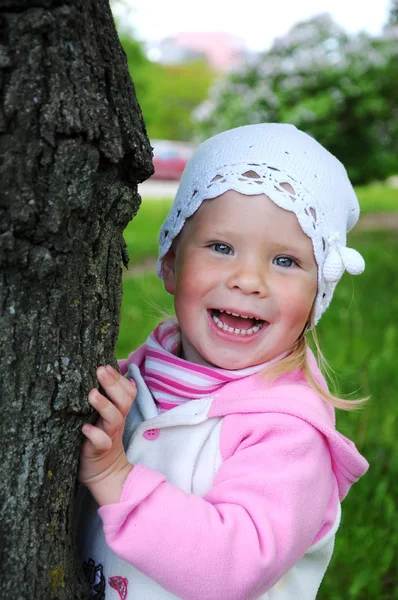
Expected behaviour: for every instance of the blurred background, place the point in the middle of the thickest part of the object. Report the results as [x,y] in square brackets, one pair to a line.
[327,66]
[331,68]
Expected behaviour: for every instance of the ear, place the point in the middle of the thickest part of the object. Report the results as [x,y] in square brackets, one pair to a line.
[169,271]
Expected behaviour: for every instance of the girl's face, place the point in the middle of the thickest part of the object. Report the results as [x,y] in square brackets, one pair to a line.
[246,256]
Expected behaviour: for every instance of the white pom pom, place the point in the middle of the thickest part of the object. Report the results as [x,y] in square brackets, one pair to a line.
[333,267]
[352,260]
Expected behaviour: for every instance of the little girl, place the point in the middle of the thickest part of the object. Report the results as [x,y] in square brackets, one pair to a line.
[223,480]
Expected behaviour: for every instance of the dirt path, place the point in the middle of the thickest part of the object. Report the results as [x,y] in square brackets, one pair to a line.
[156,190]
[147,265]
[378,221]
[368,221]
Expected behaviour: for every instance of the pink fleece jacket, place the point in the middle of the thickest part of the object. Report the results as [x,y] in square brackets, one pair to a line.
[244,498]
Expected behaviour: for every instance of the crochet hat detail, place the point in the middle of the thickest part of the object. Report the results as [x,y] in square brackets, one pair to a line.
[296,173]
[340,258]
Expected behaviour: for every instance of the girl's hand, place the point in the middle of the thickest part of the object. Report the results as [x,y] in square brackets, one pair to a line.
[103,461]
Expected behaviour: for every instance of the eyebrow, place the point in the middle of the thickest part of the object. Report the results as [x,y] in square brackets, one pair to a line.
[289,246]
[218,233]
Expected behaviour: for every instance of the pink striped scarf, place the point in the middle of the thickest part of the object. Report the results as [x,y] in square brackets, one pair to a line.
[173,380]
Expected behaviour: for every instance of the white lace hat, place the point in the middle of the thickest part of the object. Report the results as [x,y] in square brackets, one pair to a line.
[262,159]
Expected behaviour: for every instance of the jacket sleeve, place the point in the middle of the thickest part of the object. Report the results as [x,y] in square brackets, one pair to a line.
[266,506]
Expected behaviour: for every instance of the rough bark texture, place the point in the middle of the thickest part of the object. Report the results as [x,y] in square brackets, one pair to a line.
[72,148]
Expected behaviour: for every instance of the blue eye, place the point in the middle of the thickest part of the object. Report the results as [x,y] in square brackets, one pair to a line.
[284,261]
[221,248]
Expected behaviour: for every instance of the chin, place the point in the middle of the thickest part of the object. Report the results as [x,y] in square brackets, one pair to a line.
[229,364]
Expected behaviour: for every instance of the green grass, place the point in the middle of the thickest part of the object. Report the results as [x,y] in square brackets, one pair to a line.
[141,234]
[359,337]
[377,198]
[144,304]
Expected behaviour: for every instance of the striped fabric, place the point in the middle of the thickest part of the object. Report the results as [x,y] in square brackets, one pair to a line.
[173,380]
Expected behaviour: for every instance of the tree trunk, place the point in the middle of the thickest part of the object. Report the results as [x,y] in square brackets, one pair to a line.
[73,147]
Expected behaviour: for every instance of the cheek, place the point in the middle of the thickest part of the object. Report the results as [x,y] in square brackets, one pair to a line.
[307,299]
[195,277]
[298,303]
[188,286]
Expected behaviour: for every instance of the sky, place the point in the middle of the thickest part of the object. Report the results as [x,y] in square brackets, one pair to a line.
[258,26]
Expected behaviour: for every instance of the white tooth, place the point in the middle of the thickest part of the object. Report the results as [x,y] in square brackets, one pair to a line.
[256,328]
[243,331]
[237,330]
[229,313]
[243,316]
[216,319]
[221,310]
[231,329]
[235,315]
[249,331]
[219,324]
[225,327]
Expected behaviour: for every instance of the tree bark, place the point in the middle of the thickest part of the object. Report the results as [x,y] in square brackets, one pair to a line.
[73,147]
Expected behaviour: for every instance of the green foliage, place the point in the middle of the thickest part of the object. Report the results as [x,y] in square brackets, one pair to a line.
[176,91]
[167,94]
[393,17]
[138,65]
[339,89]
[359,337]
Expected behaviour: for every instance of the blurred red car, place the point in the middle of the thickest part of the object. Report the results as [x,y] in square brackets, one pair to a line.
[170,158]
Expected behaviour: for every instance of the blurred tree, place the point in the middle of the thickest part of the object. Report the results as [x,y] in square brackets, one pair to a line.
[393,16]
[168,94]
[174,92]
[340,89]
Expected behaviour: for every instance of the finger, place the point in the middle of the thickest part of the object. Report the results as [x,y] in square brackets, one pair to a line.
[119,389]
[97,437]
[128,384]
[111,418]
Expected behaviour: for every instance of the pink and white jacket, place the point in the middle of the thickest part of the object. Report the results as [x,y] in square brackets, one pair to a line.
[234,496]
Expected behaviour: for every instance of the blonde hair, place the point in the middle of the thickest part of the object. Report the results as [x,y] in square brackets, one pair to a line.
[298,360]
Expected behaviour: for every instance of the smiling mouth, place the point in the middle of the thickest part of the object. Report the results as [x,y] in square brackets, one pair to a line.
[236,323]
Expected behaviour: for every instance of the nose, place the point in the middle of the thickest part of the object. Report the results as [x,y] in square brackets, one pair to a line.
[249,277]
